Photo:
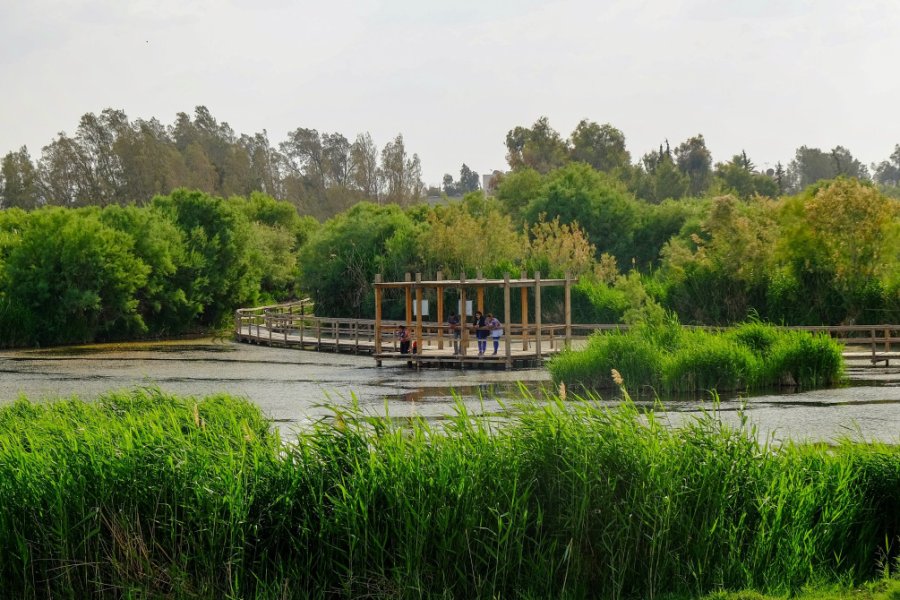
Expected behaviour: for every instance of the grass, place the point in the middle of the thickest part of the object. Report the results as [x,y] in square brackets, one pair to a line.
[669,358]
[147,495]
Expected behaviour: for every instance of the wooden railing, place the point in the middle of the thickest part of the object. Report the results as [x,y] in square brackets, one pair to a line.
[294,324]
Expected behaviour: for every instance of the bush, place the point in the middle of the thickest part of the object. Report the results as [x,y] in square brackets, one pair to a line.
[671,358]
[758,337]
[798,358]
[637,360]
[708,361]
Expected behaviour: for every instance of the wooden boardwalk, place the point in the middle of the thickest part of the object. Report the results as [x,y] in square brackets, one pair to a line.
[358,337]
[291,325]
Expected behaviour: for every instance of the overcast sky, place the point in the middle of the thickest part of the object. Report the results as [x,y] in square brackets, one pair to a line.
[454,76]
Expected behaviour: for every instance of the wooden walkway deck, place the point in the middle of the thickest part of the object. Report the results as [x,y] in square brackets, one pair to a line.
[358,337]
[290,325]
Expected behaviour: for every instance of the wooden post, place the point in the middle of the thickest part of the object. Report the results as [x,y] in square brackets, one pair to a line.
[440,312]
[537,314]
[408,290]
[507,345]
[377,318]
[301,331]
[419,344]
[480,293]
[874,346]
[568,309]
[464,325]
[522,276]
[318,335]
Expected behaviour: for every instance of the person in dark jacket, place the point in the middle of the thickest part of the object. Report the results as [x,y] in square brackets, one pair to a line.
[481,331]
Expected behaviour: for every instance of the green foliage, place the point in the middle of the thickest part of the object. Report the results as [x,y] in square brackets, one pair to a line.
[341,259]
[142,494]
[597,302]
[219,274]
[159,244]
[70,278]
[187,261]
[517,190]
[577,193]
[669,358]
[806,360]
[839,244]
[706,361]
[637,360]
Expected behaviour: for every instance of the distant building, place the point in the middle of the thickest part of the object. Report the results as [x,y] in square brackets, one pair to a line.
[489,182]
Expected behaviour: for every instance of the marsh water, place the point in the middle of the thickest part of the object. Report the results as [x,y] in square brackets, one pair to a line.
[295,387]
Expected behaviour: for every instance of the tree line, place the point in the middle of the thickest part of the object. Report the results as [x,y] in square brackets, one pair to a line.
[184,261]
[687,170]
[113,160]
[181,263]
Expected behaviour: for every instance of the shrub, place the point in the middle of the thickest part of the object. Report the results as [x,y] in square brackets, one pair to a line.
[708,361]
[758,337]
[638,361]
[799,358]
[672,358]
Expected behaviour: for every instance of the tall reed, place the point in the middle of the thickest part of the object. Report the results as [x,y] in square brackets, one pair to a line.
[670,358]
[147,495]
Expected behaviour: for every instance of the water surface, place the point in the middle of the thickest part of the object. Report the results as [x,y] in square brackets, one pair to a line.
[293,386]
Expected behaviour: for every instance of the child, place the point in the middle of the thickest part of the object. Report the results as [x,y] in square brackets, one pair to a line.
[496,329]
[403,336]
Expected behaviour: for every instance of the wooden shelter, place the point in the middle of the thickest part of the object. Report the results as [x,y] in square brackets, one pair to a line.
[525,342]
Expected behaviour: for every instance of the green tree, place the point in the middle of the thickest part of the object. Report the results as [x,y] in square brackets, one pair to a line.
[448,186]
[219,274]
[150,162]
[516,190]
[18,181]
[839,248]
[556,248]
[812,164]
[601,146]
[161,302]
[657,178]
[62,179]
[579,194]
[402,174]
[470,235]
[887,172]
[364,167]
[739,178]
[339,262]
[540,148]
[469,181]
[695,160]
[71,279]
[718,274]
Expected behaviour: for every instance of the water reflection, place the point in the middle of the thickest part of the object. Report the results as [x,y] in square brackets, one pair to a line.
[293,386]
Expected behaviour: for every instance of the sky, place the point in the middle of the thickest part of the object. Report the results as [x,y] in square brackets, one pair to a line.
[453,77]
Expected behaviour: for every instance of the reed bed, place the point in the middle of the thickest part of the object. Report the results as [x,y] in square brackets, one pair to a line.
[147,495]
[673,359]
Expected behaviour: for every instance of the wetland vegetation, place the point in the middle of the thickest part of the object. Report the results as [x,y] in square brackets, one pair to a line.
[142,494]
[668,358]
